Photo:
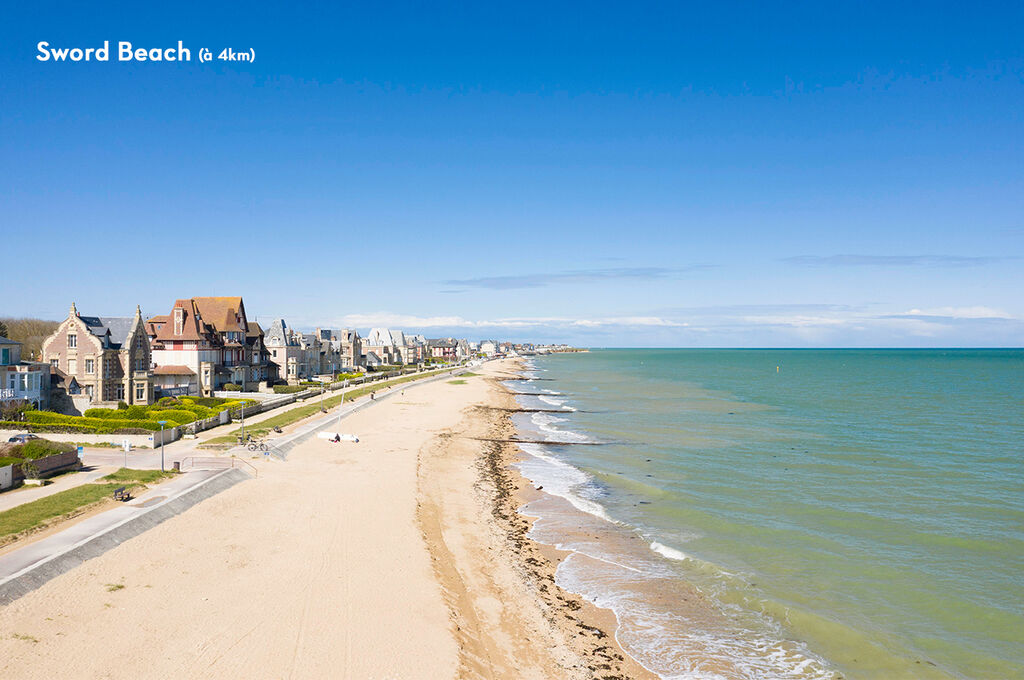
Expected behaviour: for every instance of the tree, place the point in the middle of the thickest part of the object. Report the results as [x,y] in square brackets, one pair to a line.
[3,330]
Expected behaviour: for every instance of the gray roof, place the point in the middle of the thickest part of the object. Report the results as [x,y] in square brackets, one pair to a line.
[114,329]
[278,334]
[8,341]
[119,327]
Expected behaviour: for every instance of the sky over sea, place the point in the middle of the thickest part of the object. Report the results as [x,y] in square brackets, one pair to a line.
[630,174]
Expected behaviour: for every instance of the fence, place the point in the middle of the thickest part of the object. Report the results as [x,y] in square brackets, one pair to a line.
[138,441]
[216,463]
[12,474]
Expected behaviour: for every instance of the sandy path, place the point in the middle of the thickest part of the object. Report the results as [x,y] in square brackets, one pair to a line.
[316,569]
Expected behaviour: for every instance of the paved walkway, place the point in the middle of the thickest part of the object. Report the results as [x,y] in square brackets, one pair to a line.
[27,494]
[31,555]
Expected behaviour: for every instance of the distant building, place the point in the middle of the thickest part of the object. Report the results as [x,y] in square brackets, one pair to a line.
[351,349]
[108,358]
[22,380]
[286,352]
[443,348]
[489,347]
[381,342]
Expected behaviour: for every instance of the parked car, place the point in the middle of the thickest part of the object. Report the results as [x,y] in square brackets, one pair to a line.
[21,438]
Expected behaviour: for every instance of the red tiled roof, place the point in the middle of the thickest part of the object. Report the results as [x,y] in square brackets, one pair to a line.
[192,327]
[173,370]
[221,312]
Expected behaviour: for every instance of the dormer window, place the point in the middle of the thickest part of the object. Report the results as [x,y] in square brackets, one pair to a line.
[179,320]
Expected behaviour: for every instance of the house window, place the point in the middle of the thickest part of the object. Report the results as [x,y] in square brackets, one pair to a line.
[90,366]
[72,341]
[275,353]
[88,390]
[5,356]
[140,364]
[140,393]
[120,392]
[23,382]
[55,362]
[72,366]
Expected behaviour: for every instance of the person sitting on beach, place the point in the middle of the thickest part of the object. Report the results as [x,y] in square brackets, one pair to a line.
[337,438]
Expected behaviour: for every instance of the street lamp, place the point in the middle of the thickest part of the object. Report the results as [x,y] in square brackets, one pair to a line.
[162,423]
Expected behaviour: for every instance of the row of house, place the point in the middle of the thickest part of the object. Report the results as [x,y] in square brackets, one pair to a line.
[201,346]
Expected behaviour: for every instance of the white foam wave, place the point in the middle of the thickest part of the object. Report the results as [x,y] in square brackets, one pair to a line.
[560,479]
[553,401]
[668,552]
[545,424]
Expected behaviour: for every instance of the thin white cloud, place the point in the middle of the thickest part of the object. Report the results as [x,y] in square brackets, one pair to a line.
[976,312]
[391,320]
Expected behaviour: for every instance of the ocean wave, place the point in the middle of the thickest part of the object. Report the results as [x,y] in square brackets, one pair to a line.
[678,647]
[561,479]
[545,425]
[668,552]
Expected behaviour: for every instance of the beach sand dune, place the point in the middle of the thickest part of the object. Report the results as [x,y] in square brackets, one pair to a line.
[351,560]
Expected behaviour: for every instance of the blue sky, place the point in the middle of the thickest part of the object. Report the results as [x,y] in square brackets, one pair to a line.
[714,174]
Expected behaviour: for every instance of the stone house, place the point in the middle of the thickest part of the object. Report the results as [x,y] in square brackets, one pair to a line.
[109,357]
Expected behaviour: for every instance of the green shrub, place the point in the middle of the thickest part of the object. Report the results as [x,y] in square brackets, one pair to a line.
[103,425]
[121,405]
[7,460]
[103,413]
[46,427]
[175,416]
[289,389]
[136,412]
[209,402]
[232,387]
[39,448]
[167,402]
[200,412]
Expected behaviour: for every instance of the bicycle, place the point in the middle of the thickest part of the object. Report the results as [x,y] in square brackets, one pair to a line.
[258,446]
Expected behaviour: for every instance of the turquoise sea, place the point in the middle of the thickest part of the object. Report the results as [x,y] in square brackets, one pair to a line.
[789,513]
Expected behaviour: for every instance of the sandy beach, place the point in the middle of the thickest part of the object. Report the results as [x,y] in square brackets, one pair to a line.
[400,556]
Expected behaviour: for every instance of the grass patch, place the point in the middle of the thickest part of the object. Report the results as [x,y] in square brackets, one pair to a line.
[141,476]
[456,382]
[112,587]
[31,515]
[263,428]
[23,638]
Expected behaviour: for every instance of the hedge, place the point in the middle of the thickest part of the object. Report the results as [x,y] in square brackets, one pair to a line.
[119,414]
[5,461]
[200,412]
[109,427]
[177,416]
[289,389]
[39,448]
[107,424]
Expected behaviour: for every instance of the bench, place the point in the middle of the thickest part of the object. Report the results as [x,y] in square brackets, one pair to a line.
[122,494]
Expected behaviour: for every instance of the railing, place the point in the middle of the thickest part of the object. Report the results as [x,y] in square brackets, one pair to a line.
[216,463]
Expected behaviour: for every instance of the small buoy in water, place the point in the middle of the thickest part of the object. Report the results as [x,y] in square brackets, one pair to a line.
[776,369]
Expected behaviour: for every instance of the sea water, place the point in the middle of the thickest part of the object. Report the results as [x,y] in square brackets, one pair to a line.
[789,513]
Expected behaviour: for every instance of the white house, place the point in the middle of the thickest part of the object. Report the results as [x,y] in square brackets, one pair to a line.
[22,380]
